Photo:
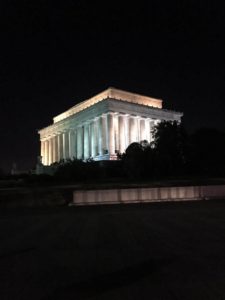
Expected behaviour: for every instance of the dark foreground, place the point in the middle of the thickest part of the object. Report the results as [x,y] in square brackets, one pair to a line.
[152,251]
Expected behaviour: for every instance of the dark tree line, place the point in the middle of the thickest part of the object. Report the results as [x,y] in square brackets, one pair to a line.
[175,153]
[85,171]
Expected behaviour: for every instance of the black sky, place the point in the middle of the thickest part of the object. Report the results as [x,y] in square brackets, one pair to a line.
[52,57]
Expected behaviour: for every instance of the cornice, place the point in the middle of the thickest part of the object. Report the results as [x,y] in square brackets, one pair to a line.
[108,106]
[113,94]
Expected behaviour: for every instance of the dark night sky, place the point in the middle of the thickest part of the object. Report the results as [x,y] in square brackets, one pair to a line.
[53,57]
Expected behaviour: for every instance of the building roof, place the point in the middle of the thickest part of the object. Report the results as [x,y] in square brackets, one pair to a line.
[112,93]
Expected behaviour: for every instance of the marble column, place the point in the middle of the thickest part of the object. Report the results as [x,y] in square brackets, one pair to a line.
[58,147]
[93,139]
[69,151]
[111,139]
[136,129]
[127,130]
[142,128]
[132,129]
[50,151]
[63,146]
[46,152]
[52,148]
[67,145]
[116,133]
[89,140]
[73,144]
[80,142]
[122,141]
[104,135]
[55,148]
[86,141]
[99,135]
[148,130]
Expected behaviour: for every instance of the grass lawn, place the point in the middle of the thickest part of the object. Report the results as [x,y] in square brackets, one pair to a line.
[148,251]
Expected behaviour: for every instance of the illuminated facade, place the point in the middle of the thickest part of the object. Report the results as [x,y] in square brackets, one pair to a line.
[102,126]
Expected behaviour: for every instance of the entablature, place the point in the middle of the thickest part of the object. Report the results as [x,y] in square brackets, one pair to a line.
[113,94]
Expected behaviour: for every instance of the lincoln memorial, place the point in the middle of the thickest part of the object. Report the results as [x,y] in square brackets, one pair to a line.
[102,126]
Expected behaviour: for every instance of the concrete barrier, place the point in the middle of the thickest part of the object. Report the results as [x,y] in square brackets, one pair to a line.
[141,195]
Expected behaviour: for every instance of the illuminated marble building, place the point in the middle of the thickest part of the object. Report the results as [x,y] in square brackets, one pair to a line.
[102,126]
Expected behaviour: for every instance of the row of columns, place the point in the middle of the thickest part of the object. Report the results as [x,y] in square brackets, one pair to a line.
[104,135]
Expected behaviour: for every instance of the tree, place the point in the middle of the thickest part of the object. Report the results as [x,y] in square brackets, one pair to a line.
[133,160]
[170,146]
[166,155]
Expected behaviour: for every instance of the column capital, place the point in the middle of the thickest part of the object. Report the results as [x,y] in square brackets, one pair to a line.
[87,122]
[96,118]
[111,113]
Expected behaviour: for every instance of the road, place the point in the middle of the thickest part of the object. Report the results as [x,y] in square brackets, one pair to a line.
[150,251]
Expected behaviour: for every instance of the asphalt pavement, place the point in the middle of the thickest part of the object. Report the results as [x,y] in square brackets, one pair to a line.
[148,251]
